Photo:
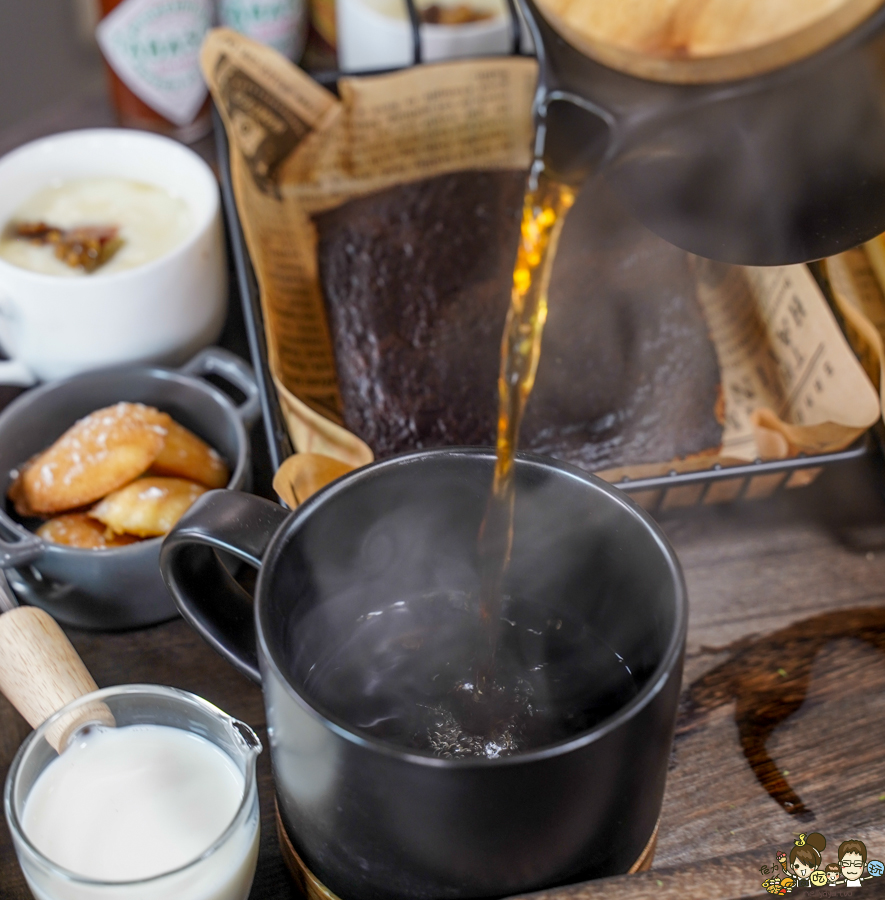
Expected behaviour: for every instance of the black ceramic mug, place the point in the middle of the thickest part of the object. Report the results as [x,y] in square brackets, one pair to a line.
[375,820]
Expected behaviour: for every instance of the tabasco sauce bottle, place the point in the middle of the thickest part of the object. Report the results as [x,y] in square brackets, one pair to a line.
[152,51]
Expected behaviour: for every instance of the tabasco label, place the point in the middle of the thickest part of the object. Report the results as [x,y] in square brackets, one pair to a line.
[154,47]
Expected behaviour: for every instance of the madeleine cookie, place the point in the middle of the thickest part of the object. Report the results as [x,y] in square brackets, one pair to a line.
[99,454]
[79,530]
[184,455]
[148,507]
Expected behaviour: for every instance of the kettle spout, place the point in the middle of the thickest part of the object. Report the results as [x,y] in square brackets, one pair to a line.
[572,137]
[573,134]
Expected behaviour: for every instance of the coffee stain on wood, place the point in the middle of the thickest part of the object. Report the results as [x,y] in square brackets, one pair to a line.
[767,678]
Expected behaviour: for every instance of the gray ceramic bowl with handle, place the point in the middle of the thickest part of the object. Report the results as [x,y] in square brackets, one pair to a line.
[121,587]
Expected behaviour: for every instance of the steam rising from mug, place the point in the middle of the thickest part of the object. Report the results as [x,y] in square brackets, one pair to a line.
[410,639]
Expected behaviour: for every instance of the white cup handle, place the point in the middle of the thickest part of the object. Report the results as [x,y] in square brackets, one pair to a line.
[14,372]
[11,370]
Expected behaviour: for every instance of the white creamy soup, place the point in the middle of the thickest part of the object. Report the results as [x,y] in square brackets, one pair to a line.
[150,220]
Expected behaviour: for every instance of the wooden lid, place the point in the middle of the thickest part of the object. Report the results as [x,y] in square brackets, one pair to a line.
[698,41]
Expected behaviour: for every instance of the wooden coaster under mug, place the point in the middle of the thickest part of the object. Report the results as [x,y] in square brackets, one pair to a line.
[314,889]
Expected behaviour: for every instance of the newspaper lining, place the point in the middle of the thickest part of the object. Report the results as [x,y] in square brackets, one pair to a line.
[857,287]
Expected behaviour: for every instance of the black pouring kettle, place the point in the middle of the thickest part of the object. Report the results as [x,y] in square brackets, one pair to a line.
[766,155]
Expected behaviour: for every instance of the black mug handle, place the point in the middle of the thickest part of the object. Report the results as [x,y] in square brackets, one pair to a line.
[204,591]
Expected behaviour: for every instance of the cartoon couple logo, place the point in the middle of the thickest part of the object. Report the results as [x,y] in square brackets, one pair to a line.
[804,866]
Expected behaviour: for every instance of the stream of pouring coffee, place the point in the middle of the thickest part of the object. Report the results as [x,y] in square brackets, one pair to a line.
[543,215]
[530,675]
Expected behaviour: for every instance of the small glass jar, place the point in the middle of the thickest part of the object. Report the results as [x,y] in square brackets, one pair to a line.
[224,871]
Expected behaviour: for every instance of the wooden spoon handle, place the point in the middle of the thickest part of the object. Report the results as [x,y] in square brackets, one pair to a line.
[40,672]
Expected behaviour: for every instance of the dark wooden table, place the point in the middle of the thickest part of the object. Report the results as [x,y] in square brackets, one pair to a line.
[782,726]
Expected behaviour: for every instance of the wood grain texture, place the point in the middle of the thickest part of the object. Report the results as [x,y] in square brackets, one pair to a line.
[691,41]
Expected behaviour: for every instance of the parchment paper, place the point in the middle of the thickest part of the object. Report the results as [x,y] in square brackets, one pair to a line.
[790,380]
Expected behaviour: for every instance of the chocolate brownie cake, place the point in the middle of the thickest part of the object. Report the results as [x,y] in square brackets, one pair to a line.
[416,281]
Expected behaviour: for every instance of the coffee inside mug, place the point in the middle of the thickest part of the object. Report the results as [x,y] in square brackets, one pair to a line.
[374,613]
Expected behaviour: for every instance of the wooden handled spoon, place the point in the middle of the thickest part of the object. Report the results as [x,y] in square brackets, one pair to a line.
[40,671]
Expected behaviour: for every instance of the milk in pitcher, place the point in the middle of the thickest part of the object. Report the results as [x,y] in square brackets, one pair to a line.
[141,811]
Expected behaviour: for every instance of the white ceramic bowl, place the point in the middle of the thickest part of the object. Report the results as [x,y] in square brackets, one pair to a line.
[376,34]
[159,312]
